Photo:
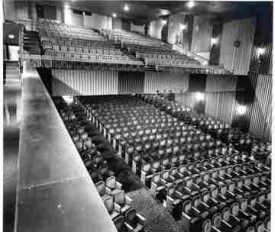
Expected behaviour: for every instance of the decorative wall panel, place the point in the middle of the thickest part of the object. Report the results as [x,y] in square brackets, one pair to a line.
[243,31]
[83,82]
[261,115]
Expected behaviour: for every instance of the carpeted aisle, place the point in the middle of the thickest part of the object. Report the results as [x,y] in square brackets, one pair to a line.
[158,219]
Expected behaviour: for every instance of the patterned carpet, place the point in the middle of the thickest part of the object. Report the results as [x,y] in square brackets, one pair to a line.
[158,219]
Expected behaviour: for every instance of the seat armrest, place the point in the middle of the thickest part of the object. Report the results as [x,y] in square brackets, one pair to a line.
[196,186]
[215,229]
[246,187]
[178,193]
[186,216]
[176,201]
[235,218]
[172,178]
[141,219]
[230,193]
[170,198]
[214,200]
[188,189]
[117,207]
[226,224]
[164,182]
[108,191]
[147,177]
[205,205]
[263,207]
[237,174]
[255,185]
[196,210]
[118,185]
[181,175]
[223,197]
[252,209]
[244,213]
[128,200]
[243,172]
[129,227]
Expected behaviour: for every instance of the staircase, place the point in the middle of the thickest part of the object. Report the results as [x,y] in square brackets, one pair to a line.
[11,73]
[31,42]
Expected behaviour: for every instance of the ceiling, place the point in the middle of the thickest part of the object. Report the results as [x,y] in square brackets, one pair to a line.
[144,11]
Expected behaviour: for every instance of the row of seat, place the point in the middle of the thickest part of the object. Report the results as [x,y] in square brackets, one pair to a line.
[193,175]
[117,203]
[241,141]
[134,143]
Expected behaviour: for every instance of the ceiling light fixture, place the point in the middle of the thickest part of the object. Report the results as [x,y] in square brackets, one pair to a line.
[190,4]
[126,7]
[11,36]
[114,15]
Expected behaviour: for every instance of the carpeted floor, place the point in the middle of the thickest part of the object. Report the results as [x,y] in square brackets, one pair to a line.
[158,219]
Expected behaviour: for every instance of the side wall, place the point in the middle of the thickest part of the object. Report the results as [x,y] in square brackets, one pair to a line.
[239,58]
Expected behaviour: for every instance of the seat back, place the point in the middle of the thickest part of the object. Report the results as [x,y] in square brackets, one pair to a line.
[111,182]
[100,186]
[260,226]
[217,220]
[119,222]
[109,203]
[119,197]
[226,214]
[130,215]
[186,206]
[206,225]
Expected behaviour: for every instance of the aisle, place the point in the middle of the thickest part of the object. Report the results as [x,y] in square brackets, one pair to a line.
[158,219]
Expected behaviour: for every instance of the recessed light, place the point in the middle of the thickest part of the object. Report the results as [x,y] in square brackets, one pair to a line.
[114,15]
[11,36]
[190,4]
[126,7]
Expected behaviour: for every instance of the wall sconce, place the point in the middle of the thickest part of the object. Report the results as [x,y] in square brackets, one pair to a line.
[199,96]
[11,36]
[214,41]
[183,27]
[163,22]
[260,52]
[241,110]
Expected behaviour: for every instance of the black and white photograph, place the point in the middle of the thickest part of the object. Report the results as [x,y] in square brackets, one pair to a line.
[136,116]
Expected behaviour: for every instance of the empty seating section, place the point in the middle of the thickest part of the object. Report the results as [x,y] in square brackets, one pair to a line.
[243,142]
[208,182]
[156,53]
[61,42]
[66,46]
[91,149]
